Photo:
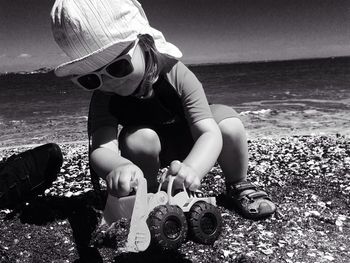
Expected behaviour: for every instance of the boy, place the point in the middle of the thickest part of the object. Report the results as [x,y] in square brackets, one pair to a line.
[138,82]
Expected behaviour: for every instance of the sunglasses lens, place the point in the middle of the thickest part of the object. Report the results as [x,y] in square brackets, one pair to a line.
[119,68]
[90,81]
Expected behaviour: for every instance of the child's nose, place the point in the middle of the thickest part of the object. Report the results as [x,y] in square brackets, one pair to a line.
[105,77]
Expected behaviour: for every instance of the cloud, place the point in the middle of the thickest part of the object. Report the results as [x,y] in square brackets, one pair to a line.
[24,55]
[2,55]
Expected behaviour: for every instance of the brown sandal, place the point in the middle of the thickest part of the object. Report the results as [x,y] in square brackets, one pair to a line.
[250,202]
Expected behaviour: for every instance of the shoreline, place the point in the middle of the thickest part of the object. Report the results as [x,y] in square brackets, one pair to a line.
[274,137]
[81,142]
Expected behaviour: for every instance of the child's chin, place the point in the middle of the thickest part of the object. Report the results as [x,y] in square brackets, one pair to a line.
[149,95]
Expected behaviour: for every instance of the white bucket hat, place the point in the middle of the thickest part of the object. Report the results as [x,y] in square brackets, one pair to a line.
[94,32]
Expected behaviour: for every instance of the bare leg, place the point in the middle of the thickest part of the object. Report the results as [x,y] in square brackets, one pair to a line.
[233,159]
[142,146]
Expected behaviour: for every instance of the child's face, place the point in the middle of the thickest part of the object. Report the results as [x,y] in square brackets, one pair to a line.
[127,86]
[123,76]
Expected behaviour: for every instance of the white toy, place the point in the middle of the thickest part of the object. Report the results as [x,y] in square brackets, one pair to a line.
[160,217]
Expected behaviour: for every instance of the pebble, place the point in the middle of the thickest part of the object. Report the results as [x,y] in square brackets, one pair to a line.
[329,257]
[267,251]
[226,253]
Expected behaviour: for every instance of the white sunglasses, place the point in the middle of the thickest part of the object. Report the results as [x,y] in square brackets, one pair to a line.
[121,67]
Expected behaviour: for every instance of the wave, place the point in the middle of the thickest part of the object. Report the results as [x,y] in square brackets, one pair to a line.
[298,102]
[259,112]
[43,70]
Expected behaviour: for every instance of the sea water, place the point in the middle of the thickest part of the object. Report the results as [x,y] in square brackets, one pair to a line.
[273,99]
[284,98]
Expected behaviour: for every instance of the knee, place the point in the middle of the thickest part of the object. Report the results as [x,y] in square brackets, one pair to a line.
[232,128]
[143,141]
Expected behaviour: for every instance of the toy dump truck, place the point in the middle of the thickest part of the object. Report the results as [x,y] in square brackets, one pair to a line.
[164,219]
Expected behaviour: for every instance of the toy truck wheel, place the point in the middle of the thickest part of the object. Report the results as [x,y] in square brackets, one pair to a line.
[168,227]
[204,222]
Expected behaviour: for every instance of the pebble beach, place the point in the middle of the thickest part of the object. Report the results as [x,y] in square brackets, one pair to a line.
[307,176]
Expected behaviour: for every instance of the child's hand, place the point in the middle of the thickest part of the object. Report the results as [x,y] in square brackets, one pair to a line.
[184,175]
[122,179]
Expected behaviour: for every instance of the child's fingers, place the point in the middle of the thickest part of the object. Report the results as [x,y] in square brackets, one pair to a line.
[194,184]
[112,182]
[120,182]
[128,180]
[134,181]
[124,183]
[184,175]
[164,175]
[174,167]
[181,176]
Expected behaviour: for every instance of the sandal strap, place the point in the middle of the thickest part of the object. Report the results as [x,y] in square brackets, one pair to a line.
[239,187]
[258,194]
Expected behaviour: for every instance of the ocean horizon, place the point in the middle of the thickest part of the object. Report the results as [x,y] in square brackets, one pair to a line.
[46,69]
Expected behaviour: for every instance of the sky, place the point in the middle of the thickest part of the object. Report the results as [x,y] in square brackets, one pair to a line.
[206,31]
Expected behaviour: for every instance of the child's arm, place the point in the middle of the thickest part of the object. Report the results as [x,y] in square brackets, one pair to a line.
[207,147]
[106,161]
[204,129]
[202,157]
